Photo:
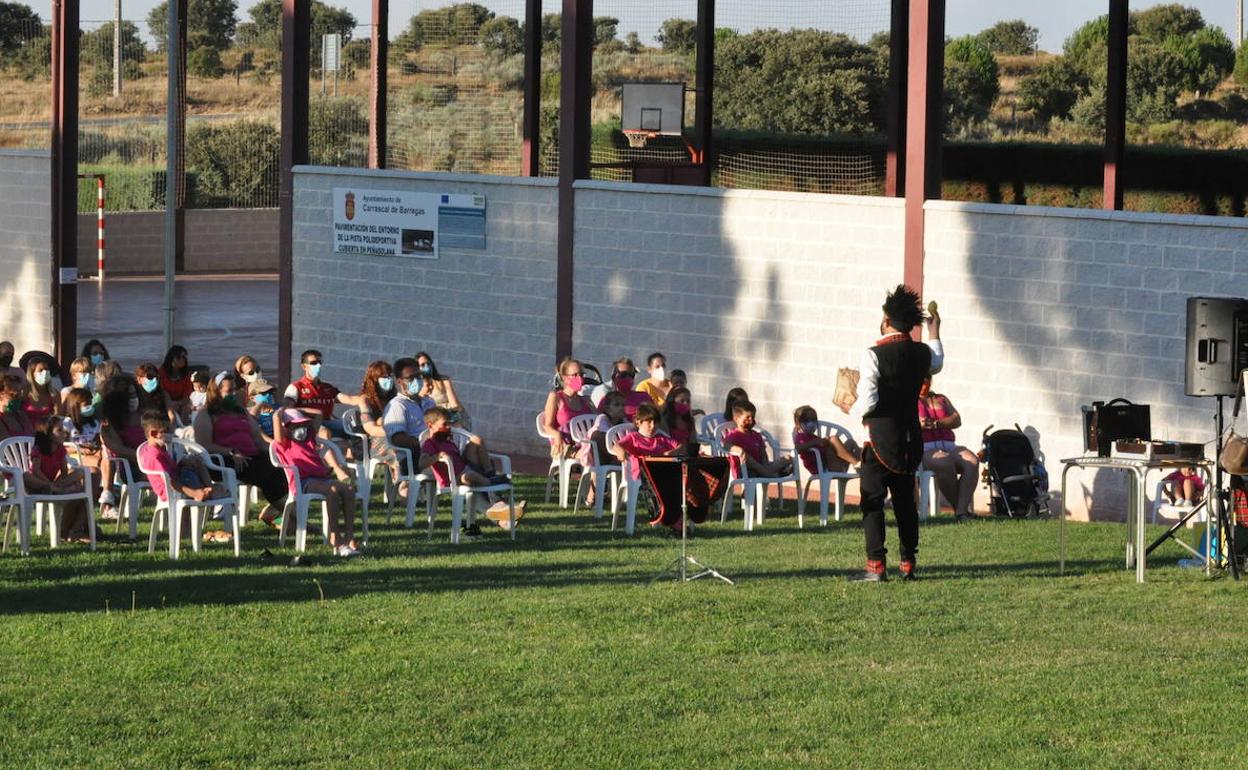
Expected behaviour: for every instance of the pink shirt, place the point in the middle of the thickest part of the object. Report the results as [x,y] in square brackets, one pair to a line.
[1198,482]
[564,411]
[637,445]
[808,457]
[431,447]
[634,399]
[940,411]
[156,456]
[751,441]
[233,431]
[50,465]
[36,412]
[304,457]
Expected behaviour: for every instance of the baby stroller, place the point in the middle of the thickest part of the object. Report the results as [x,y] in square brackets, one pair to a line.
[1016,479]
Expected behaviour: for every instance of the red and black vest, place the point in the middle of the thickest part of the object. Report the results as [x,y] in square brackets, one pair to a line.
[893,423]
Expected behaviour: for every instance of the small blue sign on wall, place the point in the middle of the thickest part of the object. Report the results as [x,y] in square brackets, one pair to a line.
[461,221]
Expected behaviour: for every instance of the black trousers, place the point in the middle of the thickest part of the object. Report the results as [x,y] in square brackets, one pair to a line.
[876,481]
[261,473]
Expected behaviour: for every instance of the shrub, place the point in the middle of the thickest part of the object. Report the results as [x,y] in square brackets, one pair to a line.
[204,62]
[971,82]
[236,163]
[502,35]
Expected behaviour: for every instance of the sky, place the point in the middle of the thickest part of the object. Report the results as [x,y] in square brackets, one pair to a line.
[1054,18]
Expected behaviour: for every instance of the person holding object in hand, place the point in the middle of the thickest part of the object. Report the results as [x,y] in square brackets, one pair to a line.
[892,372]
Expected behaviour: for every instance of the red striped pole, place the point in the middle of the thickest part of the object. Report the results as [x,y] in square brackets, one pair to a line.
[99,187]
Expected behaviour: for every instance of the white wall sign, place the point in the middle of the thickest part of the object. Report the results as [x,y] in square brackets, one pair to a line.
[389,223]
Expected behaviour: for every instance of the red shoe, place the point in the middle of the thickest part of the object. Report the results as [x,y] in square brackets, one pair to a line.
[907,569]
[874,573]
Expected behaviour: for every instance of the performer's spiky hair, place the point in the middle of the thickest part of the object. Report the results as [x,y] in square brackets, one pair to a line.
[903,308]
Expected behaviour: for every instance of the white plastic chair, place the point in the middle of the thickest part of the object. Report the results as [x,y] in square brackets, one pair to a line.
[171,509]
[299,501]
[601,469]
[560,466]
[754,490]
[627,485]
[929,495]
[14,461]
[130,498]
[366,466]
[707,424]
[824,477]
[1160,506]
[462,493]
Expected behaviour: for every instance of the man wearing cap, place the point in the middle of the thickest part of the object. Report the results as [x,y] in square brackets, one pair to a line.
[262,404]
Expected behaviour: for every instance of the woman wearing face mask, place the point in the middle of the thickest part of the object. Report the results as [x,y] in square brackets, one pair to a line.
[623,379]
[247,370]
[82,429]
[224,427]
[95,352]
[175,380]
[375,392]
[441,389]
[676,418]
[41,401]
[13,420]
[147,376]
[562,405]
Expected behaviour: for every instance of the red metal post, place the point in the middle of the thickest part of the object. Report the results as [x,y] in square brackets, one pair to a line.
[895,152]
[576,49]
[64,182]
[531,150]
[1115,104]
[99,227]
[925,73]
[377,100]
[296,38]
[704,83]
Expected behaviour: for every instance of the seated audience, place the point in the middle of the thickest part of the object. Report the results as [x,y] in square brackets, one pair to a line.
[472,467]
[81,426]
[81,375]
[14,421]
[310,394]
[6,362]
[247,370]
[122,429]
[612,409]
[189,476]
[562,405]
[656,386]
[837,456]
[199,392]
[376,392]
[95,352]
[41,400]
[734,395]
[441,389]
[147,376]
[404,416]
[646,441]
[956,467]
[294,443]
[50,474]
[224,427]
[175,380]
[747,446]
[677,419]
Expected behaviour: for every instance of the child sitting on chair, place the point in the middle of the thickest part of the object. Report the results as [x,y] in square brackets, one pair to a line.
[1184,487]
[189,476]
[612,408]
[837,456]
[745,445]
[475,471]
[50,474]
[294,443]
[645,442]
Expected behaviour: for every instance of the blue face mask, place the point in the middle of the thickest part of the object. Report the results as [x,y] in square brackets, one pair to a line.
[87,411]
[385,384]
[414,387]
[97,359]
[314,370]
[150,385]
[426,370]
[265,398]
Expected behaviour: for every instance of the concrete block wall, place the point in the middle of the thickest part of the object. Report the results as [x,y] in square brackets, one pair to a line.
[769,291]
[217,241]
[1049,309]
[25,249]
[486,317]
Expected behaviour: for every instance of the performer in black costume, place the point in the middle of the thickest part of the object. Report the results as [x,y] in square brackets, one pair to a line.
[888,395]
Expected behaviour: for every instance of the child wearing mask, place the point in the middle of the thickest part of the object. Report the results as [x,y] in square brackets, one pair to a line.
[476,470]
[749,447]
[81,375]
[677,419]
[188,476]
[81,426]
[294,443]
[263,404]
[837,455]
[40,402]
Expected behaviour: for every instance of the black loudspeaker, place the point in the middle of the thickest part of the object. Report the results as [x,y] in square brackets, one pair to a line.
[1217,345]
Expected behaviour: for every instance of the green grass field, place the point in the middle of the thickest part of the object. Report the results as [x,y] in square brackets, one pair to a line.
[556,651]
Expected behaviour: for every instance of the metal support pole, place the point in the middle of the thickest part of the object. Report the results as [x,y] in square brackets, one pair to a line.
[173,109]
[116,47]
[704,84]
[99,213]
[924,113]
[575,51]
[377,101]
[296,39]
[898,56]
[1115,105]
[1239,23]
[64,182]
[531,149]
[179,178]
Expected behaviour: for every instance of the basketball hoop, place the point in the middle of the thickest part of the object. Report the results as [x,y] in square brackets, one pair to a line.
[637,139]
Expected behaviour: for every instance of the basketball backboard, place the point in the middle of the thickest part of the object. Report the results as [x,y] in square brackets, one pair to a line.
[657,108]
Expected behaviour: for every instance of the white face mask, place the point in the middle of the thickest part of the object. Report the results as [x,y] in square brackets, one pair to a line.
[85,380]
[658,374]
[42,376]
[249,378]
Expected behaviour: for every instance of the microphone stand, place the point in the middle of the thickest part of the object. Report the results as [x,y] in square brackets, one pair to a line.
[681,564]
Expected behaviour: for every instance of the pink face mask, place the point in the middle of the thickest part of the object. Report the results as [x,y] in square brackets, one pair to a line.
[574,382]
[682,408]
[623,383]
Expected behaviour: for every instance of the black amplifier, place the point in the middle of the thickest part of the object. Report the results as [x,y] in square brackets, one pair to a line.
[1105,423]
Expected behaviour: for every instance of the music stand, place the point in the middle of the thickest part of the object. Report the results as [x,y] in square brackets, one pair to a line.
[681,564]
